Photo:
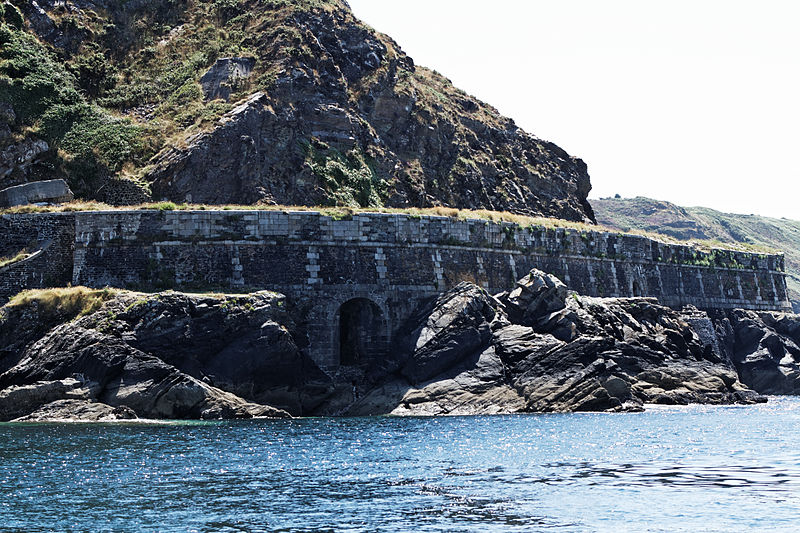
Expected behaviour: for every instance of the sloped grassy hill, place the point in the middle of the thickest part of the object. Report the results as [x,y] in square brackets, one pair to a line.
[687,223]
[312,107]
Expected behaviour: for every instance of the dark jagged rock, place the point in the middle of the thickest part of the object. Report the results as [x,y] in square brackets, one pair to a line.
[174,355]
[167,355]
[536,295]
[764,346]
[466,356]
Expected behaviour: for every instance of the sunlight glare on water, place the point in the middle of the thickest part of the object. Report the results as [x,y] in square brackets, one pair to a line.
[669,469]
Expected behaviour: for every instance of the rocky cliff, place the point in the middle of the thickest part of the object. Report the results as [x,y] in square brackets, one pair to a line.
[246,101]
[165,355]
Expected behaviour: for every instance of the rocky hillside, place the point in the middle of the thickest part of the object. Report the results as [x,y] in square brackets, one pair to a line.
[248,101]
[686,223]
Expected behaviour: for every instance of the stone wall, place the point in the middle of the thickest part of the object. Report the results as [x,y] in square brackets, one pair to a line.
[394,261]
[50,238]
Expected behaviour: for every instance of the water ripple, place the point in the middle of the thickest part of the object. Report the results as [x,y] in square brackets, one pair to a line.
[671,469]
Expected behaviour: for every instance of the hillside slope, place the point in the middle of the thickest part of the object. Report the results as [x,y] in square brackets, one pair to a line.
[256,101]
[688,223]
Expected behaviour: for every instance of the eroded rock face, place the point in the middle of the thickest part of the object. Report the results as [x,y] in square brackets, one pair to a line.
[352,121]
[764,346]
[168,355]
[174,355]
[536,295]
[219,80]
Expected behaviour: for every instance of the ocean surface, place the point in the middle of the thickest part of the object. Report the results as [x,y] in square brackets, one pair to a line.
[669,469]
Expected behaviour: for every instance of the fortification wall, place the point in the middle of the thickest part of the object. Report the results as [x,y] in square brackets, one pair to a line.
[50,238]
[394,261]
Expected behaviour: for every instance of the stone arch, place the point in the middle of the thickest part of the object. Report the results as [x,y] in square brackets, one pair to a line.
[361,331]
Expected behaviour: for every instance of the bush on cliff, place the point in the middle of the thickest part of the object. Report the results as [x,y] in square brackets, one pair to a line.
[46,98]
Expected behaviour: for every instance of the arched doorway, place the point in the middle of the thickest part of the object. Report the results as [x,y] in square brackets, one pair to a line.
[637,289]
[361,331]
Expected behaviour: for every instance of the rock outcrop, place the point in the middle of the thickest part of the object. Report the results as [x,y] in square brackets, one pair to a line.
[168,355]
[219,80]
[106,355]
[764,346]
[467,355]
[50,191]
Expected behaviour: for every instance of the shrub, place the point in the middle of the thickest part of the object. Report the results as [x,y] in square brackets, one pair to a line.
[94,74]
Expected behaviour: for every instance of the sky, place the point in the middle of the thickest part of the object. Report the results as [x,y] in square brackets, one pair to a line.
[694,102]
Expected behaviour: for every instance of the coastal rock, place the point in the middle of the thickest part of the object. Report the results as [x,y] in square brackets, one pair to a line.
[19,400]
[465,356]
[167,355]
[78,411]
[536,295]
[126,377]
[176,355]
[764,346]
[455,326]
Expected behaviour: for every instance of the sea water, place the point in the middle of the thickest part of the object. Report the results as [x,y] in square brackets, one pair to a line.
[692,468]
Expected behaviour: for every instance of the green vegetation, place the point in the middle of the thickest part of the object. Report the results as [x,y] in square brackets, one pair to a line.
[47,99]
[349,178]
[5,261]
[126,84]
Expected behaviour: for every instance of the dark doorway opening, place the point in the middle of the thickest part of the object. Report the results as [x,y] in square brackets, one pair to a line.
[361,331]
[637,290]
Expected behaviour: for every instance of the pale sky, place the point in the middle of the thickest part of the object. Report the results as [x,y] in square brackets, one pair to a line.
[695,102]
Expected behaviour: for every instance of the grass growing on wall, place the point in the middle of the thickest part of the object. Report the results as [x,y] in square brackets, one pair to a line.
[5,261]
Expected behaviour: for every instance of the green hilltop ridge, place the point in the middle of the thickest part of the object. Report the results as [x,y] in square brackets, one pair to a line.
[275,102]
[689,223]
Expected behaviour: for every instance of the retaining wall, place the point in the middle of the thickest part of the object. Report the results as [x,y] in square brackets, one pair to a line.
[394,261]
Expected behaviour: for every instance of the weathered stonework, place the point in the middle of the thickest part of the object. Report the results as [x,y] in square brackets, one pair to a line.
[393,261]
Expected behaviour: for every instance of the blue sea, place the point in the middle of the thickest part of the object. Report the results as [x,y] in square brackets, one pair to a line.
[692,468]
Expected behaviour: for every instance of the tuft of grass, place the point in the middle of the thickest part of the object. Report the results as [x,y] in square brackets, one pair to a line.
[163,206]
[5,261]
[69,301]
